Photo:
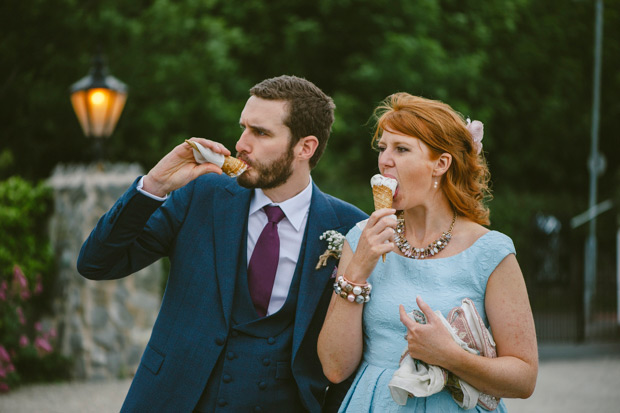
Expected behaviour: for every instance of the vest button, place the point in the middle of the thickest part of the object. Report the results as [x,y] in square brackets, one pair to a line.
[221,402]
[235,333]
[271,340]
[266,362]
[219,341]
[262,385]
[258,409]
[226,378]
[230,355]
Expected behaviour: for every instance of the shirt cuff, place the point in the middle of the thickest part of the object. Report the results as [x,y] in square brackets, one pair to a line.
[142,191]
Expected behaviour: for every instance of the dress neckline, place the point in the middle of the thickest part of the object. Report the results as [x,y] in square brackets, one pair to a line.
[451,256]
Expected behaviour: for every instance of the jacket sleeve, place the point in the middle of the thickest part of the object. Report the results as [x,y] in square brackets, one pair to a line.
[134,233]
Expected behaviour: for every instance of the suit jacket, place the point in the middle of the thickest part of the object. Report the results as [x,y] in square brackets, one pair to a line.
[202,228]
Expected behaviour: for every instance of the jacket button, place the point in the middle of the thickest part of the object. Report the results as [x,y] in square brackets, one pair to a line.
[235,334]
[262,385]
[221,402]
[271,340]
[219,341]
[258,409]
[266,362]
[230,355]
[226,378]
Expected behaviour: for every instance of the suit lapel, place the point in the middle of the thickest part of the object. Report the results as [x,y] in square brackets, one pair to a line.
[321,218]
[230,228]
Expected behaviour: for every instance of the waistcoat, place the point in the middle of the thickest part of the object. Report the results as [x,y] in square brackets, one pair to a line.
[253,373]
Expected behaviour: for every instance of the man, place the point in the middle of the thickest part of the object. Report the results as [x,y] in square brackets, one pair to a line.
[231,336]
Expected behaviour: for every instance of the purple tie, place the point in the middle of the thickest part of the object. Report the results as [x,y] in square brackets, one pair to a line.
[264,261]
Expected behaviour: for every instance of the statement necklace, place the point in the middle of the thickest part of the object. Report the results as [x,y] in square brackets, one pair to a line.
[420,253]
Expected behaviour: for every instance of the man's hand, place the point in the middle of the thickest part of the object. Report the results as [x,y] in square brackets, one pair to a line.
[179,167]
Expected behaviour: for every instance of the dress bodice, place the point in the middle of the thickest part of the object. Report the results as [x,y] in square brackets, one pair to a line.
[442,283]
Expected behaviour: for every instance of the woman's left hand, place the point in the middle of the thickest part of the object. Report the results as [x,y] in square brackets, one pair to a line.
[429,342]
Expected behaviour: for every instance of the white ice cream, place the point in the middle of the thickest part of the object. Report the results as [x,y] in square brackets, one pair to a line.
[379,180]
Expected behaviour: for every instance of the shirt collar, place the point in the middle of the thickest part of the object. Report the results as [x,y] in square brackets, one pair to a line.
[294,208]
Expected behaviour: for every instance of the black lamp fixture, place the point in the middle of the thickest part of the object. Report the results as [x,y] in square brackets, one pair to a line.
[98,101]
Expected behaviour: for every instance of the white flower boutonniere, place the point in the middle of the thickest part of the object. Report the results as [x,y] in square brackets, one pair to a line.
[335,241]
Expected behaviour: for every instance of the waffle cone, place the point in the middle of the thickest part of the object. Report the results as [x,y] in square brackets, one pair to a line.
[234,167]
[382,196]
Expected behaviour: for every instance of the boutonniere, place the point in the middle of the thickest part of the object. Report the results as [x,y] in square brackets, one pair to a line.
[335,241]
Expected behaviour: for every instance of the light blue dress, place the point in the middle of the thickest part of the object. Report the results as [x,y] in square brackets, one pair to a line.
[442,283]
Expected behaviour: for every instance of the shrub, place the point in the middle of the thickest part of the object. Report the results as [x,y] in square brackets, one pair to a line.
[27,350]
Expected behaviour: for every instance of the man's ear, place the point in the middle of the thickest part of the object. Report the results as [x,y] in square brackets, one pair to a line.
[305,148]
[442,164]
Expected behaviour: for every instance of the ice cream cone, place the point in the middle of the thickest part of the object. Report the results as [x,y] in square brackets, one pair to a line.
[234,167]
[231,166]
[383,189]
[383,196]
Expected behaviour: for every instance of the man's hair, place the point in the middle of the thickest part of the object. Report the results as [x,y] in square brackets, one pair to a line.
[310,111]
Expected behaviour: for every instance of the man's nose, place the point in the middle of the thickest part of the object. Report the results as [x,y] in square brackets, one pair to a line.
[243,144]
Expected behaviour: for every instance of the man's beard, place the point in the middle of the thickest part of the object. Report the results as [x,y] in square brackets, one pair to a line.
[269,175]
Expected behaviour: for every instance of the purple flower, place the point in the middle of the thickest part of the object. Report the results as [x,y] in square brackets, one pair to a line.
[4,387]
[23,341]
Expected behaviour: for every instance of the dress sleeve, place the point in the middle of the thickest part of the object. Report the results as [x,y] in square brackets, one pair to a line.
[494,248]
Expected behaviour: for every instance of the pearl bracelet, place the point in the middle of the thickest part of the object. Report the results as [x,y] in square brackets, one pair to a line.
[354,292]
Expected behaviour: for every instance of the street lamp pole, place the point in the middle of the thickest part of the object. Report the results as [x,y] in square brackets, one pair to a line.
[596,165]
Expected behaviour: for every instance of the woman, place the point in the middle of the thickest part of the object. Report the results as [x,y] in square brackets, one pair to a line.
[442,182]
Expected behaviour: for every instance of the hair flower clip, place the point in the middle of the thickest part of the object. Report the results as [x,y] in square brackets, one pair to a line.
[335,241]
[476,129]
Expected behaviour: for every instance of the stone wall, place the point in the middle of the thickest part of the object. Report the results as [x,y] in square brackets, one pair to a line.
[102,325]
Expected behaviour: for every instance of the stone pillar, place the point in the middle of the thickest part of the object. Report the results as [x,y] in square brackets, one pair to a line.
[103,326]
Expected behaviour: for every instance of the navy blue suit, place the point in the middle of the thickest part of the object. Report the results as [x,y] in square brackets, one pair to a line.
[202,227]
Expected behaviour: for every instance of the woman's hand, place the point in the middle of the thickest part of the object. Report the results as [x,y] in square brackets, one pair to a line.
[377,239]
[179,167]
[430,342]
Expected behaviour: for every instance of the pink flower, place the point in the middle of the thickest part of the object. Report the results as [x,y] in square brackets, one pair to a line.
[38,327]
[38,288]
[4,355]
[20,315]
[43,345]
[19,277]
[25,294]
[476,129]
[3,372]
[3,289]
[53,333]
[23,341]
[4,387]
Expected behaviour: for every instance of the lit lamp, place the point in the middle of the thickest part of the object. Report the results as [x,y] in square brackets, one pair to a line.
[98,100]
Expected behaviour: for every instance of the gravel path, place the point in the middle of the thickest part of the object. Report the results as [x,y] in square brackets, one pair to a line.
[570,379]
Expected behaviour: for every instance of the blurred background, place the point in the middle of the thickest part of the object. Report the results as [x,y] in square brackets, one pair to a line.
[525,68]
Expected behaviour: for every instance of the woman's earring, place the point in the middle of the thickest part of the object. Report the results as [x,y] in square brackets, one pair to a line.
[436,184]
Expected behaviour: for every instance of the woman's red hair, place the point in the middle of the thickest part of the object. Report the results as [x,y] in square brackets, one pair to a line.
[444,131]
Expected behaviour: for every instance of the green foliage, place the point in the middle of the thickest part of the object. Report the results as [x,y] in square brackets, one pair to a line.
[26,277]
[523,67]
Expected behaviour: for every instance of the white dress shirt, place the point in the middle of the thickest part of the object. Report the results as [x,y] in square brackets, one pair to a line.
[291,233]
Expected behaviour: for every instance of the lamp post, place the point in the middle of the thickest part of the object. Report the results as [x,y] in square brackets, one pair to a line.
[596,166]
[98,100]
